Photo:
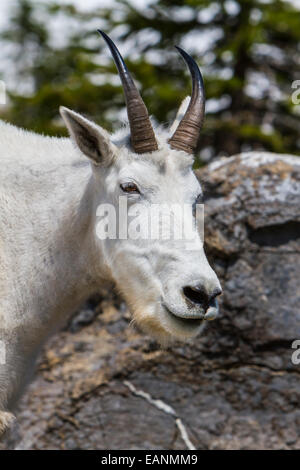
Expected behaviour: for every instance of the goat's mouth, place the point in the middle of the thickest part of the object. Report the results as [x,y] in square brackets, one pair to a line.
[185,322]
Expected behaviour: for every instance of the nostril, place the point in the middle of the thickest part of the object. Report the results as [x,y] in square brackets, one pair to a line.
[199,295]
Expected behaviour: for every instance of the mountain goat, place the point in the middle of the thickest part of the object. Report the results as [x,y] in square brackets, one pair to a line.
[51,258]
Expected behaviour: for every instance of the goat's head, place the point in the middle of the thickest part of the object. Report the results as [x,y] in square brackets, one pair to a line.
[168,283]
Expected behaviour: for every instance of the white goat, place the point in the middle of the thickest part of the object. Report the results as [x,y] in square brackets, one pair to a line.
[51,258]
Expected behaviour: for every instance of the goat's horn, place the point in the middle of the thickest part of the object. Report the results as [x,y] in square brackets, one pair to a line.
[142,134]
[187,133]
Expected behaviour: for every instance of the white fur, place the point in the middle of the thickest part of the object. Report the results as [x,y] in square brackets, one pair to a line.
[50,256]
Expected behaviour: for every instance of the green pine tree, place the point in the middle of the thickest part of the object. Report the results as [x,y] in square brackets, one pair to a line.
[251,57]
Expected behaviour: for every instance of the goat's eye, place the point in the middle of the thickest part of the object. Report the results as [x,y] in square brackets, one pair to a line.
[130,188]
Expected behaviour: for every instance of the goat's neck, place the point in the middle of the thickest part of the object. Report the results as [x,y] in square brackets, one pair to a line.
[72,263]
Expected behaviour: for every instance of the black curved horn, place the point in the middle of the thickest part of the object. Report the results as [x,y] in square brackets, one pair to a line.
[187,133]
[142,134]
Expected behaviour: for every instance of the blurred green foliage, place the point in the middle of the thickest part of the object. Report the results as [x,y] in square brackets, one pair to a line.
[249,56]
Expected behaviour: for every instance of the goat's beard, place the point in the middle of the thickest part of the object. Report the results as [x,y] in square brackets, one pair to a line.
[153,320]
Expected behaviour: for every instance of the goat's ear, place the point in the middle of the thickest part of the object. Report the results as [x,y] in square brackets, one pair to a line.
[92,140]
[180,113]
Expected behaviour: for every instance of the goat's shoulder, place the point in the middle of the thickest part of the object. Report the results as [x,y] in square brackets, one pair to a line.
[26,147]
[29,159]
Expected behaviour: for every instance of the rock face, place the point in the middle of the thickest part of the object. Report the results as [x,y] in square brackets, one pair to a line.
[235,386]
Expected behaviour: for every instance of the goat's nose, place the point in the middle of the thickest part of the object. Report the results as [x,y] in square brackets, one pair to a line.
[202,296]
